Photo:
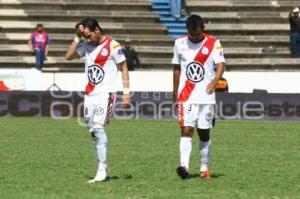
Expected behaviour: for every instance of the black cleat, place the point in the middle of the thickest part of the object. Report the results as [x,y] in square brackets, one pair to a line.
[182,172]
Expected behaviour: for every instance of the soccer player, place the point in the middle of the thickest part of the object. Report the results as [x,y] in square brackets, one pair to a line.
[103,57]
[198,65]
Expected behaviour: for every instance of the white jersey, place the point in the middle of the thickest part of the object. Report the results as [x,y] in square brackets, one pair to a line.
[198,63]
[101,65]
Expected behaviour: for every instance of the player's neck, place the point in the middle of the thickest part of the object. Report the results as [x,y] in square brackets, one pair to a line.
[102,39]
[197,42]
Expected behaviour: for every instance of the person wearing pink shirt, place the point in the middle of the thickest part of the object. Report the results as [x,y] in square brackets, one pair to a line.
[38,44]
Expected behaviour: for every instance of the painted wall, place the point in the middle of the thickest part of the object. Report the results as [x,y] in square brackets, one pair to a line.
[273,82]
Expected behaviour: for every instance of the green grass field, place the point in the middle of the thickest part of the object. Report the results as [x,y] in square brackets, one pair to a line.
[45,158]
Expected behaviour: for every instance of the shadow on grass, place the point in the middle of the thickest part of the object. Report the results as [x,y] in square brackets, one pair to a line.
[213,175]
[109,178]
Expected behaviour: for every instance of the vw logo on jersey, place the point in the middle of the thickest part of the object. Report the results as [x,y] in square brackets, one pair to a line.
[104,52]
[195,72]
[95,74]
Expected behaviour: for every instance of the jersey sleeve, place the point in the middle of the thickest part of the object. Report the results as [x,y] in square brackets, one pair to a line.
[117,53]
[218,53]
[81,49]
[176,57]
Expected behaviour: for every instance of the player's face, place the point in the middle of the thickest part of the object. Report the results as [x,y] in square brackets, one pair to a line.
[39,29]
[92,37]
[127,45]
[196,35]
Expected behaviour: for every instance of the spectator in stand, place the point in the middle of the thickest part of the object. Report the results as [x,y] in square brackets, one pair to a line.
[131,55]
[295,32]
[38,44]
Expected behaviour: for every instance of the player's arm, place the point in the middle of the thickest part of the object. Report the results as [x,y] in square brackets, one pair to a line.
[72,49]
[220,68]
[71,52]
[176,60]
[125,79]
[219,60]
[176,76]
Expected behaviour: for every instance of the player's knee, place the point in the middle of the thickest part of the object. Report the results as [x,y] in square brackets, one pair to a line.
[187,132]
[98,125]
[100,135]
[203,134]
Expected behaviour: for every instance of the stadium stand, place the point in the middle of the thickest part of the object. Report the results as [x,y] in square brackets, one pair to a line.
[121,19]
[176,27]
[244,27]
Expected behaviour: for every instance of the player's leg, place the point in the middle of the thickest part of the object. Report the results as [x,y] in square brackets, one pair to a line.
[88,115]
[186,122]
[94,144]
[101,143]
[99,121]
[205,147]
[205,122]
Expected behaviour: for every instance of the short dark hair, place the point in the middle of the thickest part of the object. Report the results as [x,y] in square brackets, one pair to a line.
[77,25]
[39,25]
[194,21]
[91,23]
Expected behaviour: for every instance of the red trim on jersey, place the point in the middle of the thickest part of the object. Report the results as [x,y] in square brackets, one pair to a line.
[104,40]
[3,87]
[101,59]
[201,58]
[181,114]
[209,44]
[89,88]
[186,91]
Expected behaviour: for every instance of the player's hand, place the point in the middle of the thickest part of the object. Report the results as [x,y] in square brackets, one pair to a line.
[211,87]
[80,31]
[79,34]
[125,101]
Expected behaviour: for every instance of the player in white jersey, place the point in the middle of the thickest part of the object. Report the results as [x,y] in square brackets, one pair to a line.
[103,57]
[198,65]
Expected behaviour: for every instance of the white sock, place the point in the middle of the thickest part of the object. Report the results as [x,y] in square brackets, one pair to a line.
[204,152]
[101,145]
[185,151]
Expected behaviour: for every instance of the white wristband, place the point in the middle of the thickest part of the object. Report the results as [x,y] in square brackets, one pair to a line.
[126,91]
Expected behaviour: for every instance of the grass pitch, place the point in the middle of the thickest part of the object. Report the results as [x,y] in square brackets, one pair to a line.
[45,158]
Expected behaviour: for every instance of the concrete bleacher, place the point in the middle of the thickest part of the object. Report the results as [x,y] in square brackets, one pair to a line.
[245,28]
[122,19]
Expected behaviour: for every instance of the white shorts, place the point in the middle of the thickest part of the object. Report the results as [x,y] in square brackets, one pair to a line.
[196,115]
[98,109]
